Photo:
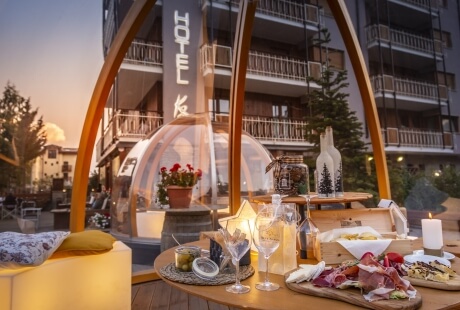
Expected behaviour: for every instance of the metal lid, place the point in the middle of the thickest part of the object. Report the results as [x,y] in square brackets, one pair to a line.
[205,268]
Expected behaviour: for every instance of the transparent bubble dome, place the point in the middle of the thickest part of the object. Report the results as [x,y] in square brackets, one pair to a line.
[192,140]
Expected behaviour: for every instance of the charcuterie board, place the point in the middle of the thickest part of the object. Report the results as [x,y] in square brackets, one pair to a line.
[452,285]
[354,296]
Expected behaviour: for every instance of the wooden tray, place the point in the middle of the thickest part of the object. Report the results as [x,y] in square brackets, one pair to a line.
[354,296]
[452,285]
[380,219]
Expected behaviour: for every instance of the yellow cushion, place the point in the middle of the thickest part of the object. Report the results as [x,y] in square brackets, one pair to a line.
[88,242]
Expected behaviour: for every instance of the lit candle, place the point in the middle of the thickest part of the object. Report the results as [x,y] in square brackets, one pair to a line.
[432,233]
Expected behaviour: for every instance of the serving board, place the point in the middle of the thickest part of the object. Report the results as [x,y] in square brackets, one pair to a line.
[354,296]
[452,285]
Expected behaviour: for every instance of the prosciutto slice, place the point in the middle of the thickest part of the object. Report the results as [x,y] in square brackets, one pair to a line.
[376,281]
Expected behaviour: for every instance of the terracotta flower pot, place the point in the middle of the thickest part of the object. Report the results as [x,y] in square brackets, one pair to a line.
[179,197]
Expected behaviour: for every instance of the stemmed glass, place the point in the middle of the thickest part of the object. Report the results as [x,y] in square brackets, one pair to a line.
[237,238]
[267,236]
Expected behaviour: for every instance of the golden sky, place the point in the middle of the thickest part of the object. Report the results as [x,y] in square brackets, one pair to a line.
[51,51]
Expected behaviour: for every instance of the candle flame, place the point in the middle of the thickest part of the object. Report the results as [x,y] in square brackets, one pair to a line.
[429,215]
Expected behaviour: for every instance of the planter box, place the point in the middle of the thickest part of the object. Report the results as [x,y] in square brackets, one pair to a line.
[380,219]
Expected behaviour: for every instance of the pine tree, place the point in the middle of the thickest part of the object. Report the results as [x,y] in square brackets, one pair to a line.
[18,123]
[328,106]
[325,187]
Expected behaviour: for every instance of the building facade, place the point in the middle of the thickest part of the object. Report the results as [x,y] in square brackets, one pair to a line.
[54,169]
[180,62]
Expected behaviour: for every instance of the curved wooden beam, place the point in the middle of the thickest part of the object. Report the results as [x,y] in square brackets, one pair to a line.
[340,12]
[241,47]
[130,26]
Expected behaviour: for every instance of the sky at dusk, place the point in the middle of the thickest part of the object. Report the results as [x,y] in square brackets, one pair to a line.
[51,50]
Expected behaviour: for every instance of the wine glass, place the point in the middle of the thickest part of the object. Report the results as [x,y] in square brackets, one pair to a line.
[267,236]
[237,238]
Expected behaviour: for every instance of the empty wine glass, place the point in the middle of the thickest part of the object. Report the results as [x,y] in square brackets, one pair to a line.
[237,238]
[267,236]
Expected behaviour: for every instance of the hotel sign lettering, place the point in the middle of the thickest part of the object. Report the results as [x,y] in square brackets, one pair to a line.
[182,38]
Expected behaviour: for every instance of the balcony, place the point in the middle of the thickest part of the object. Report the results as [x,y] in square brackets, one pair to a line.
[274,18]
[266,73]
[412,94]
[288,10]
[126,127]
[423,4]
[144,53]
[271,131]
[409,49]
[417,138]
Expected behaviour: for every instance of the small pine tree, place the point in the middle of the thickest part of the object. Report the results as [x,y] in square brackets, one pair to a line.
[328,106]
[325,187]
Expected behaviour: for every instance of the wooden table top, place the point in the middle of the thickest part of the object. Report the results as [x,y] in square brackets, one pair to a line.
[347,197]
[284,298]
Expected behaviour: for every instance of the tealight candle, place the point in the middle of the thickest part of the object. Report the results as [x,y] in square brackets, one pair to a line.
[432,234]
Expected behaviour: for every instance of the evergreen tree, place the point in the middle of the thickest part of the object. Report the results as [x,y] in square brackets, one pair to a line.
[19,124]
[325,187]
[328,106]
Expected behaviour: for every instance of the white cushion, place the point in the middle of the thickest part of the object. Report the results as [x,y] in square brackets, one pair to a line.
[26,250]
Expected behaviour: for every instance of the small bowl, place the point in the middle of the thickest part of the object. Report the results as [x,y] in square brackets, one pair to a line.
[184,257]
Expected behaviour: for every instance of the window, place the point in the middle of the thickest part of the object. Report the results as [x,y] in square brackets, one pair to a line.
[52,154]
[280,110]
[443,36]
[447,79]
[446,124]
[334,57]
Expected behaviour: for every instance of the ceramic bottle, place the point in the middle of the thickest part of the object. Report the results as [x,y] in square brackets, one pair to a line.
[325,171]
[337,159]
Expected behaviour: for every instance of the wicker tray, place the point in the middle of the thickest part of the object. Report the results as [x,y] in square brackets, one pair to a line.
[169,272]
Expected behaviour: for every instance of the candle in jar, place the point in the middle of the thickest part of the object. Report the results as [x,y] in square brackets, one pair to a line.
[432,233]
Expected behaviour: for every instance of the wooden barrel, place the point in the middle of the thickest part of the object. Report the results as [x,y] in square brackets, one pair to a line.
[185,225]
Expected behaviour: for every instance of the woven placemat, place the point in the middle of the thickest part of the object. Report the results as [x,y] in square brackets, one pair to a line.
[169,272]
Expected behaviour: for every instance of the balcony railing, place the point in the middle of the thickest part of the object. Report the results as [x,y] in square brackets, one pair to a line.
[425,4]
[129,125]
[259,63]
[273,129]
[408,87]
[144,53]
[289,10]
[403,39]
[417,138]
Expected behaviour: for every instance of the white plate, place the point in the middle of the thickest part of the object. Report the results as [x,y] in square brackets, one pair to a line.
[447,255]
[426,259]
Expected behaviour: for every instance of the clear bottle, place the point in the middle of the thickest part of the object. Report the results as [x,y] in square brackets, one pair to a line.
[337,159]
[325,171]
[306,235]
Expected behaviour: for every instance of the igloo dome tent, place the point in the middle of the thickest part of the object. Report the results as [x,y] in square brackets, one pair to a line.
[195,140]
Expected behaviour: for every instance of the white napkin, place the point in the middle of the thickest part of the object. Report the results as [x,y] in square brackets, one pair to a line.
[357,247]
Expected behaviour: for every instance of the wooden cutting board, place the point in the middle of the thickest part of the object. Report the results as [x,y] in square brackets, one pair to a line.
[452,285]
[354,296]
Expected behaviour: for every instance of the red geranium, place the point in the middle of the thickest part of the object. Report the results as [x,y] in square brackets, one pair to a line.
[184,177]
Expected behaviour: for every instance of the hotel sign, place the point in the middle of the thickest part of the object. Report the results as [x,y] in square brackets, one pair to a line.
[182,38]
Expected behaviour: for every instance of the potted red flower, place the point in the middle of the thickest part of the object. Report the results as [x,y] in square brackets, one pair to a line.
[176,184]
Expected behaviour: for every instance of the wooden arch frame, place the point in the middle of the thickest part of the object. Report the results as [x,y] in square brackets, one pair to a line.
[125,35]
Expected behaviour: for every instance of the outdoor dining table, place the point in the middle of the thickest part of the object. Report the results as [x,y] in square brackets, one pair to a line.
[284,298]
